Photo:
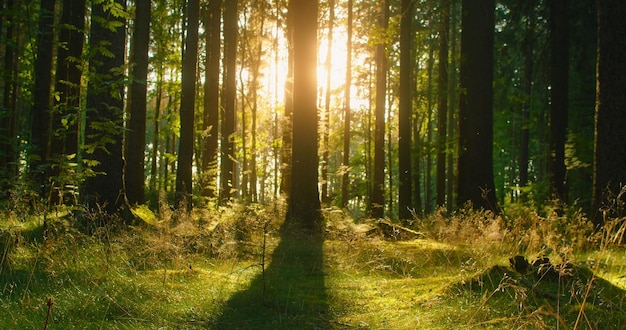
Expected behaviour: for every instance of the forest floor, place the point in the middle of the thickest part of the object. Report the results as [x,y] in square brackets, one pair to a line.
[237,269]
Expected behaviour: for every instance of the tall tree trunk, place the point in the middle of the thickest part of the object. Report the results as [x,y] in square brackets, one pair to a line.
[187,107]
[8,154]
[405,111]
[428,189]
[211,100]
[442,93]
[276,146]
[417,146]
[377,200]
[40,115]
[287,125]
[452,99]
[610,140]
[528,42]
[156,141]
[243,163]
[326,118]
[227,168]
[304,203]
[390,153]
[65,117]
[475,164]
[559,96]
[256,60]
[347,118]
[105,103]
[135,153]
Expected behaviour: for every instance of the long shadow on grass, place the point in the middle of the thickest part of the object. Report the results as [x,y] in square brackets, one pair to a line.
[293,297]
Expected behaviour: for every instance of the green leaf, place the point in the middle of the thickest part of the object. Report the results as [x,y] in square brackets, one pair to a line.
[144,213]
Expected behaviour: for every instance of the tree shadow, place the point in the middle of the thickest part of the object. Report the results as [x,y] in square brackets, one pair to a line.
[291,292]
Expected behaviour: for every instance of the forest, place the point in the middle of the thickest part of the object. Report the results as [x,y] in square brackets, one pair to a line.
[312,164]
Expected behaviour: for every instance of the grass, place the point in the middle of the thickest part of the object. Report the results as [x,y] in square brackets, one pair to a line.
[238,269]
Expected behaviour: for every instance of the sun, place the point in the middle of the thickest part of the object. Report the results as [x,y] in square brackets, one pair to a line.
[276,71]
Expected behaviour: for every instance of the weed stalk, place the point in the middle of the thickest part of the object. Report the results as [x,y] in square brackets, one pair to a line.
[50,303]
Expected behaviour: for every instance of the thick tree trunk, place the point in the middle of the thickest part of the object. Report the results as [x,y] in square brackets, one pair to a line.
[304,202]
[475,165]
[136,136]
[105,103]
[610,139]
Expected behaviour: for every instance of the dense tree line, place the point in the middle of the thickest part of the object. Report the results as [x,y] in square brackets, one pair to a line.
[419,104]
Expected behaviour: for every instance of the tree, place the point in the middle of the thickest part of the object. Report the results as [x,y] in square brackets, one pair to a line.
[136,136]
[8,154]
[347,118]
[65,115]
[187,107]
[610,140]
[105,103]
[227,165]
[208,181]
[377,200]
[304,203]
[287,124]
[405,111]
[527,49]
[326,117]
[442,91]
[475,164]
[559,96]
[40,118]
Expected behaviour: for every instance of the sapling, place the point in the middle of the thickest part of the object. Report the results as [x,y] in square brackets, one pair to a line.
[50,303]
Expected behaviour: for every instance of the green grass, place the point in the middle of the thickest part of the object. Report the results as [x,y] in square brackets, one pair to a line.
[207,273]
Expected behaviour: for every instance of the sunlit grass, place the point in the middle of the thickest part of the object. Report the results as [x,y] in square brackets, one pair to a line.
[208,274]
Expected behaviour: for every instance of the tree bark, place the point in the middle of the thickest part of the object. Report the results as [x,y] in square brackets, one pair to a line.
[8,154]
[105,103]
[40,116]
[610,136]
[442,92]
[347,118]
[211,100]
[528,42]
[377,200]
[136,136]
[405,111]
[227,165]
[475,164]
[187,108]
[326,118]
[559,97]
[304,203]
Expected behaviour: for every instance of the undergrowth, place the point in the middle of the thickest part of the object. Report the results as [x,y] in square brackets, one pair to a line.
[234,268]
